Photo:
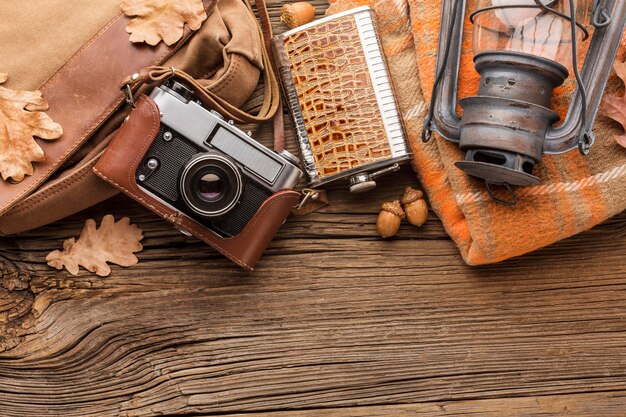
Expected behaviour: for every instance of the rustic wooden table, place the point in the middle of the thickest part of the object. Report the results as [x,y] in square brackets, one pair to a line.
[335,322]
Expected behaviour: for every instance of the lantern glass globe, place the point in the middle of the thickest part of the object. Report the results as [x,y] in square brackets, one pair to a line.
[521,26]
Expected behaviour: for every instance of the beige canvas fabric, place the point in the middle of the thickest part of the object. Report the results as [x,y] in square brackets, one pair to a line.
[38,36]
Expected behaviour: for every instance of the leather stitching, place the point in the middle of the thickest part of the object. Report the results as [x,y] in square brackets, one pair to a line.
[71,179]
[229,76]
[203,235]
[52,191]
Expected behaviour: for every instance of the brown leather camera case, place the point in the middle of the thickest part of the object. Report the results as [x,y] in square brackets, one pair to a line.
[119,164]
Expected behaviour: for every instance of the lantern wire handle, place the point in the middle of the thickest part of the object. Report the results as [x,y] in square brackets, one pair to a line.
[427,129]
[585,140]
[509,203]
[600,18]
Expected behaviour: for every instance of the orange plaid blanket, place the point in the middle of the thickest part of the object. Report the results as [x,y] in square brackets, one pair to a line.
[576,192]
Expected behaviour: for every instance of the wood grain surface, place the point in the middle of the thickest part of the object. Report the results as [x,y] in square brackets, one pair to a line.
[336,322]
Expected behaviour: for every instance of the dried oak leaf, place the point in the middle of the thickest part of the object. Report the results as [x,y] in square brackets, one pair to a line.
[156,20]
[112,242]
[21,118]
[614,106]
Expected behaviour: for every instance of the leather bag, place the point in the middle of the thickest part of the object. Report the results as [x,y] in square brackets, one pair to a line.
[77,53]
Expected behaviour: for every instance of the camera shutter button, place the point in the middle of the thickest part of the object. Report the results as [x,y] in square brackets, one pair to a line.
[182,90]
[290,157]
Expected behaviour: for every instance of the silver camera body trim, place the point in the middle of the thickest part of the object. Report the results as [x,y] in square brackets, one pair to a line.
[200,126]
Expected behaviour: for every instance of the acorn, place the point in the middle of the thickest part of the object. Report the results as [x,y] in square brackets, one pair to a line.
[415,206]
[297,14]
[389,219]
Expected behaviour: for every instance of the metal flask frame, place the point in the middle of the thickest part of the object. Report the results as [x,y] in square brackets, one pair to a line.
[518,154]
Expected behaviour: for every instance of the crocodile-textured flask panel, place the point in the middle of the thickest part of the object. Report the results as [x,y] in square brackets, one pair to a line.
[328,73]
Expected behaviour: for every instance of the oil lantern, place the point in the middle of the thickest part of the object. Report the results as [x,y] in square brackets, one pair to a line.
[523,50]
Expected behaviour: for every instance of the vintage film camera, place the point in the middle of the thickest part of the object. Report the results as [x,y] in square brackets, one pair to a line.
[205,167]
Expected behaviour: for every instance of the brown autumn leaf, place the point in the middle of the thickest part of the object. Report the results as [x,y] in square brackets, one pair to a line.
[21,118]
[112,242]
[614,106]
[156,20]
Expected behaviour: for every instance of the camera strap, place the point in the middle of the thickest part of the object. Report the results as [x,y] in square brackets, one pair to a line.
[271,107]
[266,28]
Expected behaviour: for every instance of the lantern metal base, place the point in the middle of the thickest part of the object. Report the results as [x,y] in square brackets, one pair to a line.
[503,128]
[499,167]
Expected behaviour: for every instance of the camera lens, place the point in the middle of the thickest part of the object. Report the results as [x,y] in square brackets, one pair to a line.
[210,185]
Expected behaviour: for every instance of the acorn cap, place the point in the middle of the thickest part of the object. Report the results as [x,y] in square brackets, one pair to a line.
[395,208]
[411,195]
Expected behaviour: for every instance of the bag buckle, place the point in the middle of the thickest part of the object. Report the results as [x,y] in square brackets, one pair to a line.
[312,200]
[308,194]
[128,89]
[128,92]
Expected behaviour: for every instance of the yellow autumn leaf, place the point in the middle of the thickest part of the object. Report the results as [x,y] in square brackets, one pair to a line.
[22,118]
[156,20]
[112,242]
